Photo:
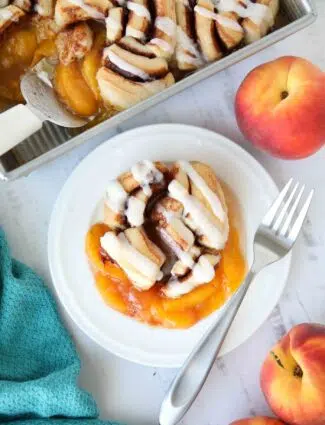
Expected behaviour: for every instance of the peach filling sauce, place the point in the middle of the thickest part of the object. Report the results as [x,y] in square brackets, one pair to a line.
[152,306]
[25,43]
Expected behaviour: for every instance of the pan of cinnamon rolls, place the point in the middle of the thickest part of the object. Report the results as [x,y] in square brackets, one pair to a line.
[165,238]
[112,54]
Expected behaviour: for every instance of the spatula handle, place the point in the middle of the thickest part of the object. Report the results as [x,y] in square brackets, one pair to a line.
[191,377]
[16,124]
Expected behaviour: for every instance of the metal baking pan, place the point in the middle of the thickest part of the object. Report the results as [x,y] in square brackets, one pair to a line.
[52,141]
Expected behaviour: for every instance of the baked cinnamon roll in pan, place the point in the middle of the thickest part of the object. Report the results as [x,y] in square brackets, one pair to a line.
[103,56]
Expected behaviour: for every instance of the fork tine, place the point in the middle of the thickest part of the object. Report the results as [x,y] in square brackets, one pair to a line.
[269,217]
[285,209]
[294,232]
[293,209]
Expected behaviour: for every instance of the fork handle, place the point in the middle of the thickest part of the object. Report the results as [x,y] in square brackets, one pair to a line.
[190,379]
[17,123]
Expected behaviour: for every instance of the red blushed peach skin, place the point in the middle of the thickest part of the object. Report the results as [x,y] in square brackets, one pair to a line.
[259,420]
[280,107]
[293,376]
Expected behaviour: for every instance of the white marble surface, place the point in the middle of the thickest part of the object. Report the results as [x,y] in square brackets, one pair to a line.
[132,393]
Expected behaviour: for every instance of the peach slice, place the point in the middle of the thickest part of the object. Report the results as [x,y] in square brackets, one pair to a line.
[46,48]
[74,91]
[91,64]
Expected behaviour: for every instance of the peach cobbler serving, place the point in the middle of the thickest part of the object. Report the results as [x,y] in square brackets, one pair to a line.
[103,56]
[168,251]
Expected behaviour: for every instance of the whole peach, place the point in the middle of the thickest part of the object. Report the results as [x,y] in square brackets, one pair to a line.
[293,376]
[258,420]
[280,107]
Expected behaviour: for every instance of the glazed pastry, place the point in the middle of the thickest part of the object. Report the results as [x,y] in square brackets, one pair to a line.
[134,66]
[122,93]
[133,251]
[126,198]
[163,40]
[127,77]
[8,15]
[114,24]
[139,19]
[203,271]
[257,25]
[205,187]
[229,30]
[206,30]
[258,17]
[188,56]
[44,7]
[73,43]
[135,46]
[25,5]
[71,11]
[192,220]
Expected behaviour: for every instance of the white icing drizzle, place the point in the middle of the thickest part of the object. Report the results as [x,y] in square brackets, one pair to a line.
[199,214]
[6,14]
[255,11]
[139,9]
[124,65]
[186,44]
[209,194]
[121,2]
[140,269]
[132,32]
[222,20]
[168,215]
[90,10]
[116,196]
[145,173]
[202,272]
[162,44]
[184,256]
[135,211]
[226,22]
[112,22]
[166,25]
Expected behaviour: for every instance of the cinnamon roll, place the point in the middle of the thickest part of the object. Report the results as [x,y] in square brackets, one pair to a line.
[206,30]
[188,56]
[192,220]
[25,5]
[231,33]
[73,43]
[71,11]
[44,7]
[139,19]
[257,16]
[127,196]
[115,24]
[127,77]
[163,39]
[8,15]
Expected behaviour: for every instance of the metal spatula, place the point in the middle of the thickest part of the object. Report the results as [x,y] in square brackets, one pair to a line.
[21,121]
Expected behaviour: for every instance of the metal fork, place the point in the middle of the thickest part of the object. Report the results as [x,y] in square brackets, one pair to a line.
[273,239]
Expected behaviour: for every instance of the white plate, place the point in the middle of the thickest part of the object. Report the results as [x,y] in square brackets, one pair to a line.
[75,210]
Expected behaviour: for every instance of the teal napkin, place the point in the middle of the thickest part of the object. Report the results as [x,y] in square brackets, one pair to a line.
[39,365]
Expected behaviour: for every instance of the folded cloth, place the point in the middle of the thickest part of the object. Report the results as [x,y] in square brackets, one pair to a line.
[39,365]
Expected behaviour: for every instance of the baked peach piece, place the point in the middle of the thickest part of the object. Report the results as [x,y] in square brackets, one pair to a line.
[258,420]
[16,54]
[73,90]
[152,306]
[91,64]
